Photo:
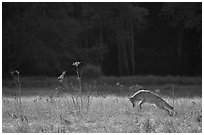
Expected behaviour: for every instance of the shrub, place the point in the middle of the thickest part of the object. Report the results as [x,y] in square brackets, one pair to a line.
[91,71]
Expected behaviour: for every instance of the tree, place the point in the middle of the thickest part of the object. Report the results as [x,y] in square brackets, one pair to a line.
[111,24]
[118,24]
[38,38]
[183,16]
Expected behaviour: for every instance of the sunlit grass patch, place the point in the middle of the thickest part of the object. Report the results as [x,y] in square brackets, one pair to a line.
[105,114]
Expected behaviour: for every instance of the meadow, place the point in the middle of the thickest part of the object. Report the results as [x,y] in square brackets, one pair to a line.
[101,107]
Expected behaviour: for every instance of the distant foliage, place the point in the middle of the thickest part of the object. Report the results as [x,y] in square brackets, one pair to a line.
[41,39]
[187,15]
[91,71]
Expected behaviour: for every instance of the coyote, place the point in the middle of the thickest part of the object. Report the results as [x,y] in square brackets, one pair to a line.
[151,98]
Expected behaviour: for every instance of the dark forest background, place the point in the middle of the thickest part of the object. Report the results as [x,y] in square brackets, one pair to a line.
[122,39]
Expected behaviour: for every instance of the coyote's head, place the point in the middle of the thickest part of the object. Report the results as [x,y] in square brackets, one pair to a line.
[132,101]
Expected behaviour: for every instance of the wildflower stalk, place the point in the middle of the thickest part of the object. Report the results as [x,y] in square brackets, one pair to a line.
[80,86]
[79,79]
[19,92]
[173,92]
[81,103]
[16,77]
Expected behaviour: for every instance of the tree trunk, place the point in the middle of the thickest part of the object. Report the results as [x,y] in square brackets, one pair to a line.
[124,50]
[180,35]
[132,51]
[118,45]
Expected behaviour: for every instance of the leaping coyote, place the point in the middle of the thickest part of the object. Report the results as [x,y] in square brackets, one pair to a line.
[151,98]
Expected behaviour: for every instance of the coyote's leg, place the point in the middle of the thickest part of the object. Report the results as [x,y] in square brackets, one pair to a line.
[142,102]
[162,107]
[133,104]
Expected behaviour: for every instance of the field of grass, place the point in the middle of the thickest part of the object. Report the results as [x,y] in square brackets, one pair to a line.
[99,114]
[102,107]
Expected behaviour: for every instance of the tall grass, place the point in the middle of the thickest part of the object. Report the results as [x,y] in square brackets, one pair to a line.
[81,102]
[17,104]
[110,114]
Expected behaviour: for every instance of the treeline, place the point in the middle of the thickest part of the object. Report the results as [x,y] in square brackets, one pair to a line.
[121,38]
